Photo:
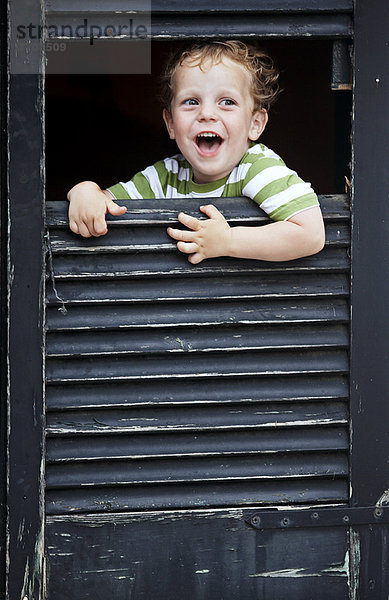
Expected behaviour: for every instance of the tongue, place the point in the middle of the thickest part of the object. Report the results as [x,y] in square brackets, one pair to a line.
[208,144]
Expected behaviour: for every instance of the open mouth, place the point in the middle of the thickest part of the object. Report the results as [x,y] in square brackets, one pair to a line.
[208,142]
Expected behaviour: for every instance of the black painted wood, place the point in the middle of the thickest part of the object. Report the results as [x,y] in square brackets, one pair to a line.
[100,430]
[370,289]
[26,340]
[25,569]
[189,20]
[193,6]
[3,294]
[203,554]
[133,325]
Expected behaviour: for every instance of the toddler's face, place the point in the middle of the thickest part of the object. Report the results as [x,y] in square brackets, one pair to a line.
[212,117]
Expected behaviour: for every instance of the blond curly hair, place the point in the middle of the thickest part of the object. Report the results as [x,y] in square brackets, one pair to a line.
[259,65]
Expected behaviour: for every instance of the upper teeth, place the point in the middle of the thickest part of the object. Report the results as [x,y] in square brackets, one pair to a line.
[208,134]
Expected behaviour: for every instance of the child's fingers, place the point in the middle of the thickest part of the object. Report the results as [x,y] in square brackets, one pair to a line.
[84,230]
[180,235]
[187,248]
[115,209]
[73,226]
[189,221]
[211,211]
[196,258]
[99,226]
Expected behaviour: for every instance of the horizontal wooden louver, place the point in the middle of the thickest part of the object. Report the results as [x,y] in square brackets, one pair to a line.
[173,385]
[195,6]
[175,19]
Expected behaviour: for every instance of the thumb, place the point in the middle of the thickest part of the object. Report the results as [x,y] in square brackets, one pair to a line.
[114,209]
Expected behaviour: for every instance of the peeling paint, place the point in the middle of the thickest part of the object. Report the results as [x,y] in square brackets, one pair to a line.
[104,570]
[339,569]
[336,570]
[50,269]
[21,531]
[355,561]
[383,500]
[286,573]
[201,572]
[35,580]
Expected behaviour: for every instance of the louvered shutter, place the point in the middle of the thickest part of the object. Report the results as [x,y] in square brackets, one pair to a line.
[174,386]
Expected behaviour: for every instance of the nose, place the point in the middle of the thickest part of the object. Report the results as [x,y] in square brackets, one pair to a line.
[207,112]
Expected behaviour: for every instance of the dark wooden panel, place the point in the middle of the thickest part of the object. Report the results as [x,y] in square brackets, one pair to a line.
[204,554]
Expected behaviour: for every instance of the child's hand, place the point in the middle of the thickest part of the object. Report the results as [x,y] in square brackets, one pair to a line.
[207,239]
[88,205]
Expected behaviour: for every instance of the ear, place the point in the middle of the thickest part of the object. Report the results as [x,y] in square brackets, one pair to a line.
[167,117]
[258,124]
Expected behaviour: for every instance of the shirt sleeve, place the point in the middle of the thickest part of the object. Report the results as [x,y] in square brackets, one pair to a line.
[152,182]
[137,188]
[278,190]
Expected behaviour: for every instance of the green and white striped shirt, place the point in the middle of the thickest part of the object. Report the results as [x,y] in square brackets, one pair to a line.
[261,175]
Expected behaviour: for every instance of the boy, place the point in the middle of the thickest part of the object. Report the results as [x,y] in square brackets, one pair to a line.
[216,96]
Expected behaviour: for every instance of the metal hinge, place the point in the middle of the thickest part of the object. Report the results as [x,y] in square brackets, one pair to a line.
[332,516]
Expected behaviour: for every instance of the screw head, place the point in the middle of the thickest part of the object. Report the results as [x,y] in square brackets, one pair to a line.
[285,522]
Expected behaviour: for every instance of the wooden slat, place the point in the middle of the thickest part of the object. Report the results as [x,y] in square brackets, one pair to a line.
[167,261]
[100,368]
[299,309]
[235,210]
[194,340]
[195,469]
[177,392]
[275,286]
[195,495]
[134,238]
[116,421]
[193,6]
[101,445]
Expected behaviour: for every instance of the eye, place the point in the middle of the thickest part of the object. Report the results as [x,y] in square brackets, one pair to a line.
[190,102]
[227,102]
